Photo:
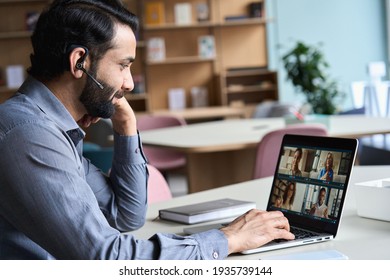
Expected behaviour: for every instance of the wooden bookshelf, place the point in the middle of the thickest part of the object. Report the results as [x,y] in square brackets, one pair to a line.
[239,43]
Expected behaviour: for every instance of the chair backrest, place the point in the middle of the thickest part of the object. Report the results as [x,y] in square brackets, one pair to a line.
[101,158]
[268,148]
[160,158]
[146,122]
[158,188]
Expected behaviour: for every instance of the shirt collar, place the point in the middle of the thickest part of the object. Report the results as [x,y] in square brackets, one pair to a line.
[49,104]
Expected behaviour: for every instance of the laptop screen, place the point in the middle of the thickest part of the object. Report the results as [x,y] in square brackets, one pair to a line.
[311,180]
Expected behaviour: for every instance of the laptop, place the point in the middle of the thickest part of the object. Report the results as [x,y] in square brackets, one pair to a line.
[312,197]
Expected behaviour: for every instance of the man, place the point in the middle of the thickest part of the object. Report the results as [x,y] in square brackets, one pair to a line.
[54,203]
[295,171]
[320,209]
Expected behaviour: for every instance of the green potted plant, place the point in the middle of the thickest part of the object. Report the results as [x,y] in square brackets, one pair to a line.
[305,66]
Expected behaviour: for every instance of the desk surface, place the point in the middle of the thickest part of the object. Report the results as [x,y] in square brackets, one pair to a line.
[237,134]
[212,136]
[358,238]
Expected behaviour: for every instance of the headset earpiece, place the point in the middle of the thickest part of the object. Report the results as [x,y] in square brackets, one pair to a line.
[79,66]
[80,62]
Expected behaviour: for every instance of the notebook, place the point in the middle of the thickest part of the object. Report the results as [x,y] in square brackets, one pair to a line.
[207,211]
[310,220]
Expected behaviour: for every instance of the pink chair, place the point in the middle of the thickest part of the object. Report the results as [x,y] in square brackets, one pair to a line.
[158,188]
[163,159]
[268,148]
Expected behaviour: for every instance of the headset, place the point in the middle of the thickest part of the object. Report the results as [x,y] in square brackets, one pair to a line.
[80,64]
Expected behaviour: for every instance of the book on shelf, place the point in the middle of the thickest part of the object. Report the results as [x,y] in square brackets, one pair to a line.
[207,211]
[176,98]
[202,12]
[183,13]
[206,46]
[154,13]
[156,49]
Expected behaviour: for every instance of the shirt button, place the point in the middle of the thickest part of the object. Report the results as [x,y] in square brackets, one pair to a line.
[215,255]
[137,150]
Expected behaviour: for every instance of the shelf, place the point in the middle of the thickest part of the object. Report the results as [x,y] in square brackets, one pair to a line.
[167,26]
[15,35]
[239,22]
[230,73]
[178,60]
[248,89]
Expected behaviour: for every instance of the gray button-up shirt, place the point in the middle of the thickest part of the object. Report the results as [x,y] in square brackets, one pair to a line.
[55,204]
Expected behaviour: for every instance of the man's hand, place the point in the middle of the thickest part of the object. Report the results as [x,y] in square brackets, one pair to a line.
[256,228]
[123,120]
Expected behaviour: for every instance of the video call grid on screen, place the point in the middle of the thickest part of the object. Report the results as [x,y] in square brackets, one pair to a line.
[309,184]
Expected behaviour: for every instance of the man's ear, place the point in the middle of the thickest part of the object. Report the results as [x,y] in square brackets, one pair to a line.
[77,57]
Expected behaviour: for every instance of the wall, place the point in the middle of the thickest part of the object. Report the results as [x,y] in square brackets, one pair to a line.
[353,33]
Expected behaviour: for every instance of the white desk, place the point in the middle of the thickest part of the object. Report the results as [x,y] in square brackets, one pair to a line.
[358,238]
[223,152]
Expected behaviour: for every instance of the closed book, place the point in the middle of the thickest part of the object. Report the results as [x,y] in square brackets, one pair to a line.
[156,49]
[183,13]
[206,46]
[207,211]
[154,13]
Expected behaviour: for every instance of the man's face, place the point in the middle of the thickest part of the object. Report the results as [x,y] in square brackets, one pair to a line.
[113,72]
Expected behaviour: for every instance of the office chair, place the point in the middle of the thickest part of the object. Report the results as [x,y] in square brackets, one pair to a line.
[158,188]
[164,160]
[101,157]
[268,148]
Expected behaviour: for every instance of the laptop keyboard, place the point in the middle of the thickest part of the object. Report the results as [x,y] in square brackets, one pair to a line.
[299,234]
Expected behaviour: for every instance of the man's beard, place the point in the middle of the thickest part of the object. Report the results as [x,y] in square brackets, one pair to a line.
[98,102]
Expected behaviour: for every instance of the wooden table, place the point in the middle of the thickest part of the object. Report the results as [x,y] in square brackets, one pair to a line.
[223,152]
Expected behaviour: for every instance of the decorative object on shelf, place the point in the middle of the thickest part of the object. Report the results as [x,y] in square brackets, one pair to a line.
[183,13]
[14,75]
[256,9]
[199,97]
[176,98]
[202,12]
[206,46]
[305,66]
[154,13]
[156,49]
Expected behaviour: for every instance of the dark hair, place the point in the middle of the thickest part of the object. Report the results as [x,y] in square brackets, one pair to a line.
[299,150]
[286,192]
[89,23]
